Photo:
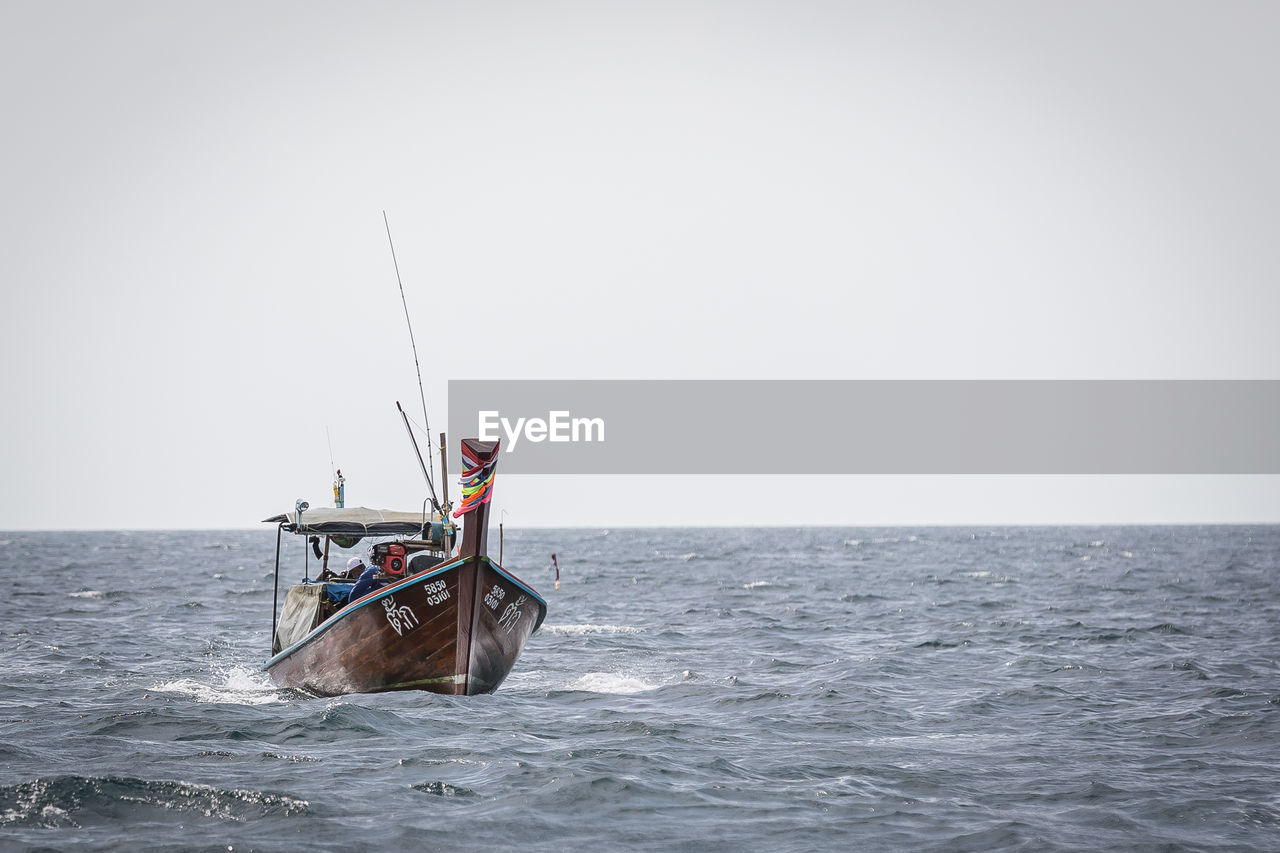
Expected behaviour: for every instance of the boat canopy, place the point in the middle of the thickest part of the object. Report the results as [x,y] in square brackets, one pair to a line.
[354,521]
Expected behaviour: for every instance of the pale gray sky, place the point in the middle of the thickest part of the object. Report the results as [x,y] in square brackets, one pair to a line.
[193,232]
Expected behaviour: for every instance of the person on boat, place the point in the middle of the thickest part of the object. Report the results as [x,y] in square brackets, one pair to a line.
[355,567]
[368,582]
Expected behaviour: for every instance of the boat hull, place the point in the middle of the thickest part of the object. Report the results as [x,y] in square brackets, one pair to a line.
[456,629]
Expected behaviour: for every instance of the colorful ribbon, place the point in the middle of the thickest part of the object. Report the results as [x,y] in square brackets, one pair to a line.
[477,481]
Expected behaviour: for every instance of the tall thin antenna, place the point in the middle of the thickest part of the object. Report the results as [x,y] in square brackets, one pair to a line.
[421,394]
[330,440]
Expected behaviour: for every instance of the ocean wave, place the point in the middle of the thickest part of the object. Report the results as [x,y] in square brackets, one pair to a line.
[686,557]
[880,540]
[79,801]
[444,789]
[580,630]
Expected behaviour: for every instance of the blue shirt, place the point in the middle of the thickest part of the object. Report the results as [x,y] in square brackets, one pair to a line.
[367,583]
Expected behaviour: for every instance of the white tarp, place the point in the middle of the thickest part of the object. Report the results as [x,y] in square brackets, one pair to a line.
[354,521]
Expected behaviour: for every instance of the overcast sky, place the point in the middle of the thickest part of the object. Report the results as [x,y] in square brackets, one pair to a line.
[199,299]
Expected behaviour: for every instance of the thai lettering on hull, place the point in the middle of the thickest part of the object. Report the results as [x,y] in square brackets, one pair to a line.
[400,616]
[511,615]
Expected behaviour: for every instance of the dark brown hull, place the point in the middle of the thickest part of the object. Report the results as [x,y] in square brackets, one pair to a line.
[456,629]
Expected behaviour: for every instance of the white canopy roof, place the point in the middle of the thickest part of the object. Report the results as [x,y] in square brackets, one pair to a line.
[354,521]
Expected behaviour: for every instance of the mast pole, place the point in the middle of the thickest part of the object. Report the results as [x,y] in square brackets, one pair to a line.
[275,592]
[445,523]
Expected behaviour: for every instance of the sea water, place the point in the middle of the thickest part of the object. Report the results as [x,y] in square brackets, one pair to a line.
[710,689]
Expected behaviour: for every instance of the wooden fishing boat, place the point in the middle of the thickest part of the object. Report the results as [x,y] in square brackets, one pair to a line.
[446,622]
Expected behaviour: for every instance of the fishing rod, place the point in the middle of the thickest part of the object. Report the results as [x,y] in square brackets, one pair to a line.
[330,441]
[421,394]
[421,464]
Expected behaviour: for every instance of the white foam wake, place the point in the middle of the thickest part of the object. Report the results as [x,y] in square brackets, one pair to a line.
[239,686]
[579,630]
[610,682]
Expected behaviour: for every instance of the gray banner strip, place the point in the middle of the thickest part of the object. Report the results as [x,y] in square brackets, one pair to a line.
[873,427]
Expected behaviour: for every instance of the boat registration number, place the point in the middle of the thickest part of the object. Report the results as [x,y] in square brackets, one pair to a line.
[436,592]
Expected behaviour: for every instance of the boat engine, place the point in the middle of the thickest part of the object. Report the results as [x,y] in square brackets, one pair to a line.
[389,556]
